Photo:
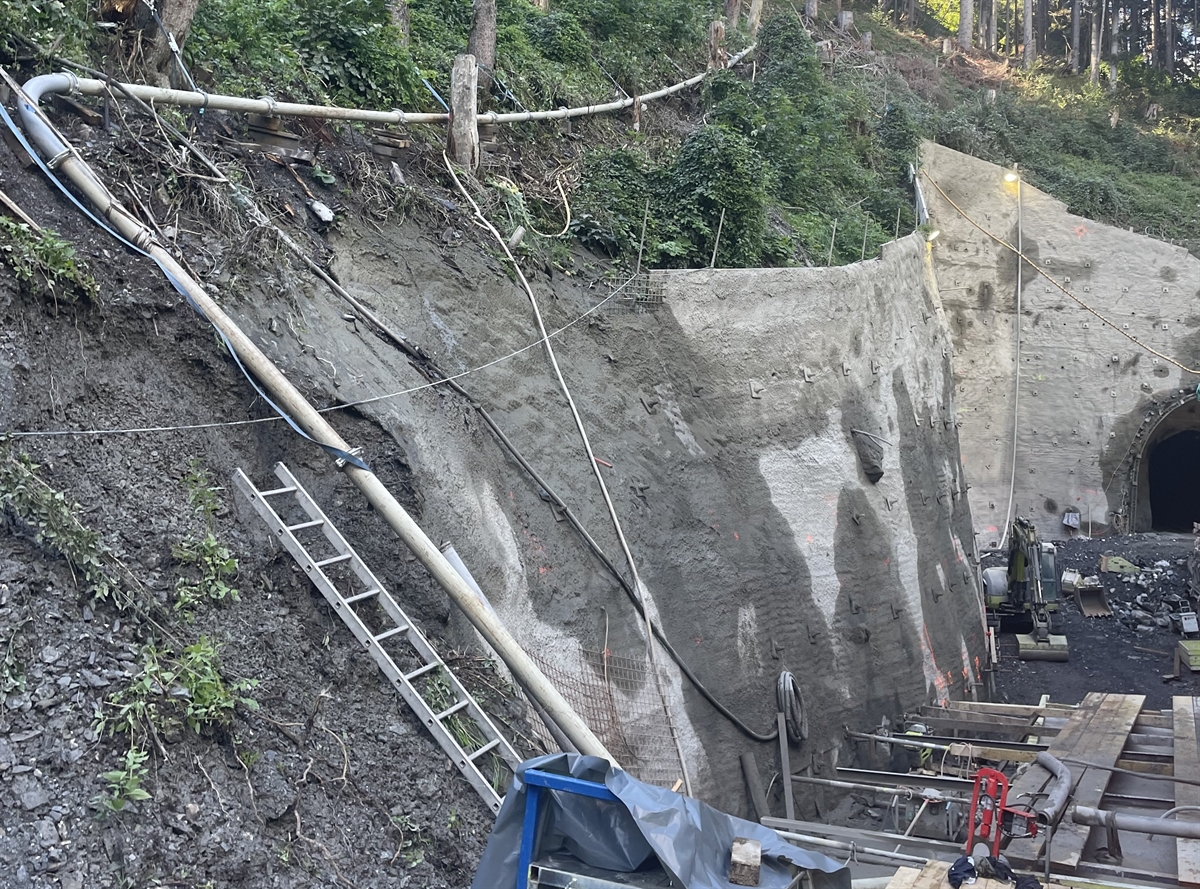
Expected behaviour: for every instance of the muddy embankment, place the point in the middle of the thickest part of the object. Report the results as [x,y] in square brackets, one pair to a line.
[733,414]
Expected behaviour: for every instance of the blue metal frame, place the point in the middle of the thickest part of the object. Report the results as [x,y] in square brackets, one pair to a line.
[535,781]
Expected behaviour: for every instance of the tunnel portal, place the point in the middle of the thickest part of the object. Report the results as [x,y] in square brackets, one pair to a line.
[1175,482]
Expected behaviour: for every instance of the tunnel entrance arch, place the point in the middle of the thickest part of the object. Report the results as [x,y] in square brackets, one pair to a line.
[1166,477]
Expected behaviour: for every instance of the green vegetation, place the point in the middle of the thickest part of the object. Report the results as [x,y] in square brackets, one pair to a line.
[45,263]
[783,156]
[172,692]
[50,27]
[52,520]
[342,51]
[125,783]
[209,563]
[576,53]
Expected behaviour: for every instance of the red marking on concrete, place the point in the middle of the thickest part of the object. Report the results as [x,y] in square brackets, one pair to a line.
[603,462]
[735,536]
[993,528]
[887,562]
[810,538]
[1080,231]
[543,569]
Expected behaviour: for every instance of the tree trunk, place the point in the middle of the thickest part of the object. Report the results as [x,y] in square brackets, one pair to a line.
[398,10]
[733,13]
[1042,25]
[482,42]
[1073,56]
[1169,36]
[1155,36]
[1030,45]
[1097,32]
[756,7]
[1114,75]
[966,23]
[992,31]
[176,19]
[810,9]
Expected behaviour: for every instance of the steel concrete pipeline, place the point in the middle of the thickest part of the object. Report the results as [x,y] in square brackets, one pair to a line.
[857,852]
[271,108]
[1137,823]
[61,155]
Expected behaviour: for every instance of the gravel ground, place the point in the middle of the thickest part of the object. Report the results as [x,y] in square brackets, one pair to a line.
[1115,654]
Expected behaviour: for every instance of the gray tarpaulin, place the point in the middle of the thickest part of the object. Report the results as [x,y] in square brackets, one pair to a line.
[691,840]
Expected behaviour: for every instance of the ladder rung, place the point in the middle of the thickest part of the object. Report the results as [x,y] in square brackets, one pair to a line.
[358,597]
[453,708]
[420,671]
[495,742]
[342,558]
[274,492]
[315,523]
[387,634]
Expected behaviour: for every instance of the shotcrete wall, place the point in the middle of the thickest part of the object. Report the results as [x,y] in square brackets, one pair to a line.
[728,415]
[1089,398]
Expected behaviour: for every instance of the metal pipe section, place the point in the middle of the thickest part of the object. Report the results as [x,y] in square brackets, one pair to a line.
[891,790]
[63,157]
[859,853]
[1137,823]
[271,108]
[266,106]
[1060,790]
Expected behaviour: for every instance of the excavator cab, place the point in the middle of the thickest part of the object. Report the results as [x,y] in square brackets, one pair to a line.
[1028,588]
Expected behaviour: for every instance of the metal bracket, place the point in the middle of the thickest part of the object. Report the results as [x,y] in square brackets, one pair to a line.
[808,377]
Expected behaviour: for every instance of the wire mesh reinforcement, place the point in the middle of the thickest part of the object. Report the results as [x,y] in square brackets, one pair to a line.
[643,293]
[616,696]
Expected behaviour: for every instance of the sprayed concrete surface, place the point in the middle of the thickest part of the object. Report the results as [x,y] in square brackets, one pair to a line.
[726,415]
[1092,404]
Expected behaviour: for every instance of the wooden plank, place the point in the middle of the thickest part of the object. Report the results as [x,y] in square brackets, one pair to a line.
[1187,765]
[978,728]
[1034,780]
[1028,710]
[1105,740]
[904,878]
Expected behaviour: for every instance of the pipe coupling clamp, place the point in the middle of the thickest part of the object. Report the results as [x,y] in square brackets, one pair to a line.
[272,105]
[59,158]
[340,462]
[72,83]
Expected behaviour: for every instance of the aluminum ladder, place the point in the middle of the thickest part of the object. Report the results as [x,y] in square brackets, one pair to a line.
[468,746]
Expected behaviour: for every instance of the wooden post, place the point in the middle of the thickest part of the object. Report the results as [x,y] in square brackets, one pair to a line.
[755,16]
[464,108]
[810,10]
[716,45]
[845,20]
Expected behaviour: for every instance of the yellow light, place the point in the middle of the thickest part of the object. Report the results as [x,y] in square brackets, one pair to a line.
[1011,177]
[932,235]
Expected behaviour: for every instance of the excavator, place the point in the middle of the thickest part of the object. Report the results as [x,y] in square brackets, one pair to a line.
[1027,590]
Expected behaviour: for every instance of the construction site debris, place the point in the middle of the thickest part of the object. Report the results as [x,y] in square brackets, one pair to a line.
[648,828]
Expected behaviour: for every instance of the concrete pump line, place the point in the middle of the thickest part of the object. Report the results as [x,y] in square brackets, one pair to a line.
[1041,271]
[62,155]
[271,108]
